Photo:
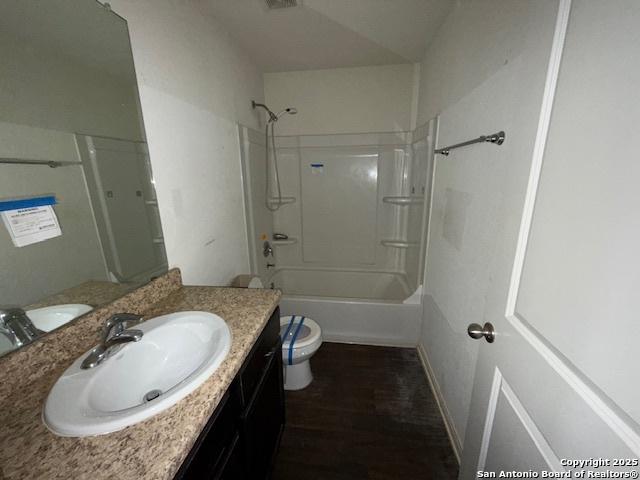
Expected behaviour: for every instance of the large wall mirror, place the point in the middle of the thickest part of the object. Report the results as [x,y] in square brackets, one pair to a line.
[80,223]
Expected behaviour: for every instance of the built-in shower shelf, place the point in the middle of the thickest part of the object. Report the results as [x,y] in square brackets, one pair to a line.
[399,244]
[288,241]
[283,201]
[403,200]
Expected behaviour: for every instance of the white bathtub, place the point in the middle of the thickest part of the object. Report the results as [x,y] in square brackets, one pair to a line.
[352,306]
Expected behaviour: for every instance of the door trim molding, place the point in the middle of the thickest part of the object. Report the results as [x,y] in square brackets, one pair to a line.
[544,121]
[489,419]
[599,406]
[454,438]
[500,385]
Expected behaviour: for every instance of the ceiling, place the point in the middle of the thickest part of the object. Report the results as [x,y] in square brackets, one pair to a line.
[321,34]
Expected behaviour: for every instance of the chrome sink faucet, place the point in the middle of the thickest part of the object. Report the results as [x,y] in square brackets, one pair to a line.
[17,327]
[115,333]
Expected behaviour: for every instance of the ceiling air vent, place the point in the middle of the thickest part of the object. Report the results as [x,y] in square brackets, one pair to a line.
[272,4]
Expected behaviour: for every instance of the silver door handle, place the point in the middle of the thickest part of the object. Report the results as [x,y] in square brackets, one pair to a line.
[476,331]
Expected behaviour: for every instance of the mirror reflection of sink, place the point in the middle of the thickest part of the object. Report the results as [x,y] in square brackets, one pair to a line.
[6,345]
[50,318]
[175,355]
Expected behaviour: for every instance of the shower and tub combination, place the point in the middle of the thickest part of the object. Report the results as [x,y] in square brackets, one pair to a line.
[338,222]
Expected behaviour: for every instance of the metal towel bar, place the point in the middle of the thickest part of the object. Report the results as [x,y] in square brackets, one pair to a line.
[497,138]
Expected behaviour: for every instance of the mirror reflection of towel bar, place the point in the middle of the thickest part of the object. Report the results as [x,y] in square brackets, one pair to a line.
[24,161]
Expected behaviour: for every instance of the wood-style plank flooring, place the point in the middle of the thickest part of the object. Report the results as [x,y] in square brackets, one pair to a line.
[369,414]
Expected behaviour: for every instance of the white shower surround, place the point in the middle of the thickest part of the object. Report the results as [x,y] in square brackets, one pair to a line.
[354,301]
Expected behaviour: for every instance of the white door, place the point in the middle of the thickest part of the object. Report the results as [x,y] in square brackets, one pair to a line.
[560,383]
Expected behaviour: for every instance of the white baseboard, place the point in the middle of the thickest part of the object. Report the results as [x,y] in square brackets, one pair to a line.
[454,438]
[356,340]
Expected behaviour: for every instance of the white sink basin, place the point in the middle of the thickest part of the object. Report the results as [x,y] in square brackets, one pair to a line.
[50,318]
[176,354]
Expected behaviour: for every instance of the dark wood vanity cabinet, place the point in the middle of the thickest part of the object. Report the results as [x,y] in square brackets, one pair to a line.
[241,439]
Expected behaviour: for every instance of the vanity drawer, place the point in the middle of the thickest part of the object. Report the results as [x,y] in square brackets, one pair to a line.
[268,344]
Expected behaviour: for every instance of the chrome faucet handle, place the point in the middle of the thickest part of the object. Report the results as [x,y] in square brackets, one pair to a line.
[102,351]
[117,323]
[125,336]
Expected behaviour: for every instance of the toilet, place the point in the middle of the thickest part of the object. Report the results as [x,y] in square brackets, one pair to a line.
[301,338]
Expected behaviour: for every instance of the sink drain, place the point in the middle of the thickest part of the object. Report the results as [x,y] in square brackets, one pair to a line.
[152,395]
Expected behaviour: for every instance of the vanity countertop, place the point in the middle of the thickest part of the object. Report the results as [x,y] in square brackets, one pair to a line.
[153,449]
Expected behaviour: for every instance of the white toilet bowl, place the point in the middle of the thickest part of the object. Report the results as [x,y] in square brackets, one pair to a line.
[307,338]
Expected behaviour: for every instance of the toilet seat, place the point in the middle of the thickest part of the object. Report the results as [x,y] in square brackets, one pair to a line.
[305,337]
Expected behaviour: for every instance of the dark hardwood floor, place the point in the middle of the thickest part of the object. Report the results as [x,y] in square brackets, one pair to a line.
[369,414]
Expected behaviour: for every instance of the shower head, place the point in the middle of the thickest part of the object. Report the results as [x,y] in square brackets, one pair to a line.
[273,117]
[289,110]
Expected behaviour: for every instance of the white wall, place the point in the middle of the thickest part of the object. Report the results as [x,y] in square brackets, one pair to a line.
[490,78]
[476,39]
[195,85]
[343,100]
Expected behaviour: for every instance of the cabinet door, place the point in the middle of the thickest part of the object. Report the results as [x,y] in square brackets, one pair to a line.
[258,359]
[234,468]
[264,420]
[215,442]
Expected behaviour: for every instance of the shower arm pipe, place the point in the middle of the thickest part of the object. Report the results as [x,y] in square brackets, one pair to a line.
[496,138]
[272,116]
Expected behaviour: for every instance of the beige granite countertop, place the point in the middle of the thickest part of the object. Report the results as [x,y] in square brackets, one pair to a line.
[153,449]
